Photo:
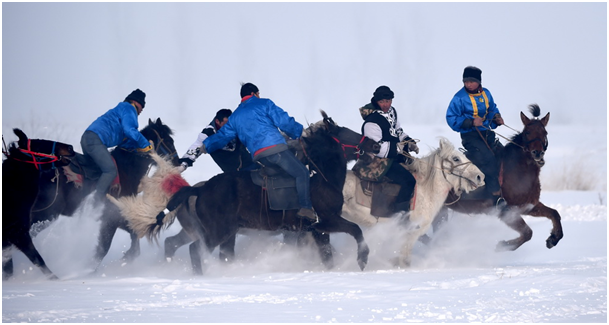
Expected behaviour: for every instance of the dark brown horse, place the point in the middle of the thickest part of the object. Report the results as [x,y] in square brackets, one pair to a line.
[62,198]
[230,201]
[20,175]
[521,161]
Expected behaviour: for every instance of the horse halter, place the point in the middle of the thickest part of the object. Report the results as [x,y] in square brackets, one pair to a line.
[165,150]
[455,166]
[358,150]
[39,158]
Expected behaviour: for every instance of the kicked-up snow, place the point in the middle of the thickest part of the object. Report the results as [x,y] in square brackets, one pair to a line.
[457,278]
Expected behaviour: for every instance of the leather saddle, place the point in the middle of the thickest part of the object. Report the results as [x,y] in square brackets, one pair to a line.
[279,186]
[378,196]
[84,172]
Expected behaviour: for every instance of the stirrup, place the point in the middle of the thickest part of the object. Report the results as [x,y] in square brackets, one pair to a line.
[500,202]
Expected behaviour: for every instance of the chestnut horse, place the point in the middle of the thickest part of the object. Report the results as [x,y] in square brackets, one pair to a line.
[520,164]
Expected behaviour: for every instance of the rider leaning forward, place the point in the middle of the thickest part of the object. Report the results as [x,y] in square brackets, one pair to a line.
[381,124]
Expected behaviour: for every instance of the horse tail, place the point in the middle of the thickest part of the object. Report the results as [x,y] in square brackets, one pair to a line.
[164,220]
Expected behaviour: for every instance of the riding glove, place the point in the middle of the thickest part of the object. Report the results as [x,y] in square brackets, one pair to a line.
[186,162]
[145,150]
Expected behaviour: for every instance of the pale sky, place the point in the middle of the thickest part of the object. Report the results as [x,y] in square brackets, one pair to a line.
[64,64]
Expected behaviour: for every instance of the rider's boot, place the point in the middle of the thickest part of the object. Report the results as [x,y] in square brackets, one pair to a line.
[308,213]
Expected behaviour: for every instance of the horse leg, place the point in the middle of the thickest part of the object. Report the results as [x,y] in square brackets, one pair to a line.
[540,210]
[512,218]
[325,249]
[195,257]
[7,260]
[338,224]
[439,220]
[174,242]
[134,250]
[106,234]
[25,244]
[227,249]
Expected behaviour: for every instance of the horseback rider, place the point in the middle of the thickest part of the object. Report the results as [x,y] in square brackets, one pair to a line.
[118,126]
[232,157]
[256,122]
[381,124]
[473,113]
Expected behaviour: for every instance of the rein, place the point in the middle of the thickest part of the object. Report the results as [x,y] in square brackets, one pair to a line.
[56,181]
[311,160]
[445,170]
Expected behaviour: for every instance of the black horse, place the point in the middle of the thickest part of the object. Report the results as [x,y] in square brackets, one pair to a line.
[230,201]
[20,174]
[63,198]
[521,162]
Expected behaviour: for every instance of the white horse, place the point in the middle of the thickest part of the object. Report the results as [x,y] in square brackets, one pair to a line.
[437,173]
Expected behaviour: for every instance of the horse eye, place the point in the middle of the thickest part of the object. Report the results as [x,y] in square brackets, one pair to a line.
[456,159]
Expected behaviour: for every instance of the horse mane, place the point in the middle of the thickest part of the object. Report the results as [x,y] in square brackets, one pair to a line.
[425,166]
[517,139]
[158,126]
[326,154]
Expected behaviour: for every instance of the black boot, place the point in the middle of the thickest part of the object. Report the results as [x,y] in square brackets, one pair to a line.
[309,214]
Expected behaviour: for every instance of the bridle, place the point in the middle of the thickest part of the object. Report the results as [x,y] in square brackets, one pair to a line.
[38,158]
[357,149]
[164,148]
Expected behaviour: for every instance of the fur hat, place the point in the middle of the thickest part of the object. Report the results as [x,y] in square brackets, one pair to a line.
[382,92]
[138,96]
[472,73]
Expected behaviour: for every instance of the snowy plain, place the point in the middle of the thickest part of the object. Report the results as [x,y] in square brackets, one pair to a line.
[457,278]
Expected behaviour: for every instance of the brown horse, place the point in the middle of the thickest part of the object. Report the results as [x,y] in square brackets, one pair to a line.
[521,161]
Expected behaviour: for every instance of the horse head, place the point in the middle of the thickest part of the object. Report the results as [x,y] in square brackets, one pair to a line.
[160,134]
[353,144]
[458,171]
[44,154]
[534,137]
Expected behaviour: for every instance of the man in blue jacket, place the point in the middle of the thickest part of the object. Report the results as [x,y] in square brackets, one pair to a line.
[473,113]
[117,126]
[256,122]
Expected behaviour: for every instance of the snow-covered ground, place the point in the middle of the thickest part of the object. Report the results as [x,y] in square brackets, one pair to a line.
[458,278]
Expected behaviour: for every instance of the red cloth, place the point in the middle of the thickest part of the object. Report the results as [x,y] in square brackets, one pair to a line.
[172,183]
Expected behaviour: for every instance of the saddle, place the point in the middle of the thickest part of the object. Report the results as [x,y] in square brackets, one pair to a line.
[378,196]
[82,171]
[279,186]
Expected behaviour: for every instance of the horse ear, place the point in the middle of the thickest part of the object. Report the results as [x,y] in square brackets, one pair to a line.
[159,122]
[150,121]
[22,137]
[524,118]
[545,120]
[323,114]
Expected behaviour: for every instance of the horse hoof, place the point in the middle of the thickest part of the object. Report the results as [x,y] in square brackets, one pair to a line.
[52,277]
[504,246]
[362,262]
[551,242]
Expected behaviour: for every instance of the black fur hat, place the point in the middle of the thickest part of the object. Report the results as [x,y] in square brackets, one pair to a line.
[382,92]
[472,73]
[138,96]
